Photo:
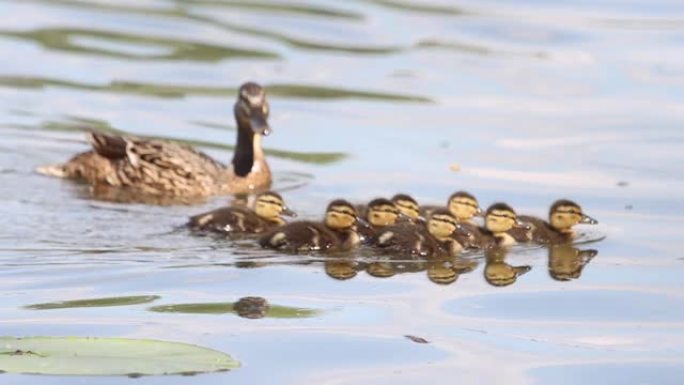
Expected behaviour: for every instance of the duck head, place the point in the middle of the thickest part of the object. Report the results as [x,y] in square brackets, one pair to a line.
[408,207]
[271,206]
[341,215]
[251,109]
[564,214]
[500,218]
[463,206]
[382,212]
[442,224]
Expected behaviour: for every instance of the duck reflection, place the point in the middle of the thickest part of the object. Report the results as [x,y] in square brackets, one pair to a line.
[447,271]
[499,273]
[341,269]
[566,261]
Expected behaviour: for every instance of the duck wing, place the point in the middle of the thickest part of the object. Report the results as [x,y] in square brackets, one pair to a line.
[157,166]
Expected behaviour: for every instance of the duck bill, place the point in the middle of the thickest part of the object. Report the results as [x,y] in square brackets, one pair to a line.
[479,212]
[587,220]
[258,122]
[288,212]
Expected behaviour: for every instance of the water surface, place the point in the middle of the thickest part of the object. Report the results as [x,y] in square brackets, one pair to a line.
[533,101]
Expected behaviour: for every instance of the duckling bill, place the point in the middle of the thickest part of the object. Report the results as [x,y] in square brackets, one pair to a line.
[160,167]
[267,214]
[337,232]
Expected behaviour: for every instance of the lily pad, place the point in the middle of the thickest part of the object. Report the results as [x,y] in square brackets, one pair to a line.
[86,356]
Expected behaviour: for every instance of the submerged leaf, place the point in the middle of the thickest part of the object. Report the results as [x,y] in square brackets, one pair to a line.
[96,302]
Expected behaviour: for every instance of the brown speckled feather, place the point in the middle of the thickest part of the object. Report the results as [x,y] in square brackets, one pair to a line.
[230,220]
[301,236]
[407,240]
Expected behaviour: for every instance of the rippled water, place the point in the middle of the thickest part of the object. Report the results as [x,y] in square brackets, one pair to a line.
[534,100]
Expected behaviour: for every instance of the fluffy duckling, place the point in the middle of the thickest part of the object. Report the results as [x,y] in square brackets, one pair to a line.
[567,262]
[338,232]
[500,220]
[380,213]
[269,208]
[432,240]
[563,215]
[164,168]
[499,273]
[408,207]
[464,207]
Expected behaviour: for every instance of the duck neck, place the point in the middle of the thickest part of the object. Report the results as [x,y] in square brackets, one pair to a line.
[243,159]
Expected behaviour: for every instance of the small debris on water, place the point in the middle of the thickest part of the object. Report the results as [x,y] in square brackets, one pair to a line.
[628,207]
[418,340]
[455,167]
[622,183]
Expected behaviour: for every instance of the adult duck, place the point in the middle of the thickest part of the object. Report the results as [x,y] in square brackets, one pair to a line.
[165,168]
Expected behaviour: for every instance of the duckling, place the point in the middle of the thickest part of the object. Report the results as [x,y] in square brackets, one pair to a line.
[380,213]
[433,240]
[566,262]
[563,215]
[338,232]
[408,207]
[464,207]
[159,167]
[499,273]
[268,210]
[500,219]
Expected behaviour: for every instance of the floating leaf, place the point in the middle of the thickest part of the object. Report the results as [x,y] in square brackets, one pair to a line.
[86,356]
[96,302]
[274,311]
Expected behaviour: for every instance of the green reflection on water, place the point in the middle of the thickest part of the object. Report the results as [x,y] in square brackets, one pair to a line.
[289,8]
[64,39]
[178,91]
[95,302]
[274,311]
[420,7]
[73,123]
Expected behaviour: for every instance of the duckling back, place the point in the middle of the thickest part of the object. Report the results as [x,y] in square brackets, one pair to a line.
[542,232]
[230,220]
[302,236]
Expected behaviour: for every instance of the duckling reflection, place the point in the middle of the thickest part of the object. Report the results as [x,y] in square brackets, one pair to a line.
[381,269]
[500,220]
[566,261]
[338,232]
[447,271]
[499,273]
[563,215]
[341,269]
[269,208]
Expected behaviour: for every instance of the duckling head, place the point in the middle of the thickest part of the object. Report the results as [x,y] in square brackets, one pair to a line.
[251,108]
[382,212]
[565,213]
[463,206]
[408,207]
[340,215]
[442,224]
[500,218]
[271,206]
